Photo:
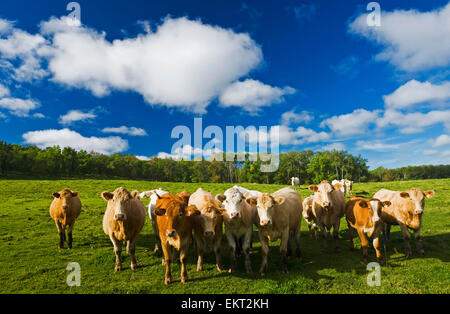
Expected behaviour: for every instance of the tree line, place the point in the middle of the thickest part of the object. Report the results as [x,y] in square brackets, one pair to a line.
[308,166]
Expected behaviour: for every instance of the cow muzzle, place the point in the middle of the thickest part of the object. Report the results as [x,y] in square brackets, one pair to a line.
[65,207]
[265,222]
[375,219]
[209,234]
[326,204]
[234,215]
[171,233]
[120,217]
[418,211]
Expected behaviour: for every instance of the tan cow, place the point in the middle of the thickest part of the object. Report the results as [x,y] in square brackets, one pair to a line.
[123,220]
[364,216]
[64,210]
[309,216]
[406,211]
[328,209]
[174,220]
[279,216]
[207,226]
[238,219]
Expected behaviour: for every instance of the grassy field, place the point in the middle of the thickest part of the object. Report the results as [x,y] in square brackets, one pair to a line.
[30,261]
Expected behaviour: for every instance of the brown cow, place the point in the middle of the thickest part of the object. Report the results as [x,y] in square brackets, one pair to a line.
[279,216]
[364,216]
[174,220]
[309,216]
[406,211]
[328,209]
[123,220]
[64,210]
[207,226]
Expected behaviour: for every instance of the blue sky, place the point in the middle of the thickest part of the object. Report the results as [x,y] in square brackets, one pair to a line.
[129,73]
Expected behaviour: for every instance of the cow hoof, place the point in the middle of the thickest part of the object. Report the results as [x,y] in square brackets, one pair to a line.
[219,269]
[421,252]
[231,270]
[285,271]
[133,266]
[167,281]
[199,268]
[118,268]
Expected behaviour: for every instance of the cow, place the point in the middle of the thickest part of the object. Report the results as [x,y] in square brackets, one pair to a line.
[123,221]
[238,219]
[328,209]
[174,220]
[153,195]
[64,210]
[295,182]
[348,186]
[279,216]
[406,210]
[364,216]
[309,216]
[207,226]
[342,185]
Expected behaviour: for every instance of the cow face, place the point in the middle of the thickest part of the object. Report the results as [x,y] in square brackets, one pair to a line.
[377,208]
[322,193]
[172,210]
[211,215]
[266,206]
[416,198]
[232,202]
[65,197]
[119,200]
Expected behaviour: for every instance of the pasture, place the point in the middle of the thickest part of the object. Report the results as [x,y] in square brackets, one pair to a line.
[30,261]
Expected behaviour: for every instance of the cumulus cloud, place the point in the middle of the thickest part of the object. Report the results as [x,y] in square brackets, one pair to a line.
[334,146]
[4,91]
[291,117]
[285,135]
[126,130]
[415,92]
[411,40]
[19,107]
[187,152]
[69,138]
[414,122]
[75,116]
[353,123]
[251,95]
[143,158]
[442,140]
[376,145]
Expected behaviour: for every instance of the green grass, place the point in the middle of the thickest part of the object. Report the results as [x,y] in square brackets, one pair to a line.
[30,261]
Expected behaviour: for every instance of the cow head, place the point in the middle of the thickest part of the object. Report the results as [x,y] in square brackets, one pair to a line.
[322,193]
[119,200]
[173,209]
[265,204]
[211,215]
[232,202]
[416,197]
[65,197]
[377,208]
[184,195]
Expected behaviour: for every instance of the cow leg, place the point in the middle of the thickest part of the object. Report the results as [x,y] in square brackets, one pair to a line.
[350,234]
[336,235]
[61,234]
[131,246]
[316,231]
[218,254]
[289,247]
[376,246]
[168,260]
[183,257]
[264,253]
[69,234]
[324,238]
[364,243]
[387,233]
[246,248]
[200,256]
[283,249]
[418,242]
[232,243]
[156,232]
[310,229]
[298,252]
[406,237]
[117,251]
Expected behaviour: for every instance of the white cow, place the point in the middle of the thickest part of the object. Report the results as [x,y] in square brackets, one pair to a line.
[153,195]
[295,182]
[341,183]
[246,192]
[348,186]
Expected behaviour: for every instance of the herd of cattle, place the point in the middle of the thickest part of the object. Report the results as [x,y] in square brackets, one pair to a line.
[178,219]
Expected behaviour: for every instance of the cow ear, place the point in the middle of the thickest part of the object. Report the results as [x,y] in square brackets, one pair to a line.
[220,197]
[429,193]
[279,200]
[404,194]
[313,188]
[251,201]
[386,203]
[221,211]
[74,194]
[160,211]
[337,186]
[192,211]
[135,194]
[56,194]
[107,195]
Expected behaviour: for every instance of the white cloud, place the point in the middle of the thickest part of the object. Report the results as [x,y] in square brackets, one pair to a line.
[19,107]
[126,130]
[69,138]
[415,122]
[291,117]
[4,91]
[74,116]
[183,63]
[353,123]
[414,92]
[442,140]
[2,115]
[286,135]
[143,158]
[334,146]
[251,95]
[376,145]
[38,115]
[412,40]
[187,152]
